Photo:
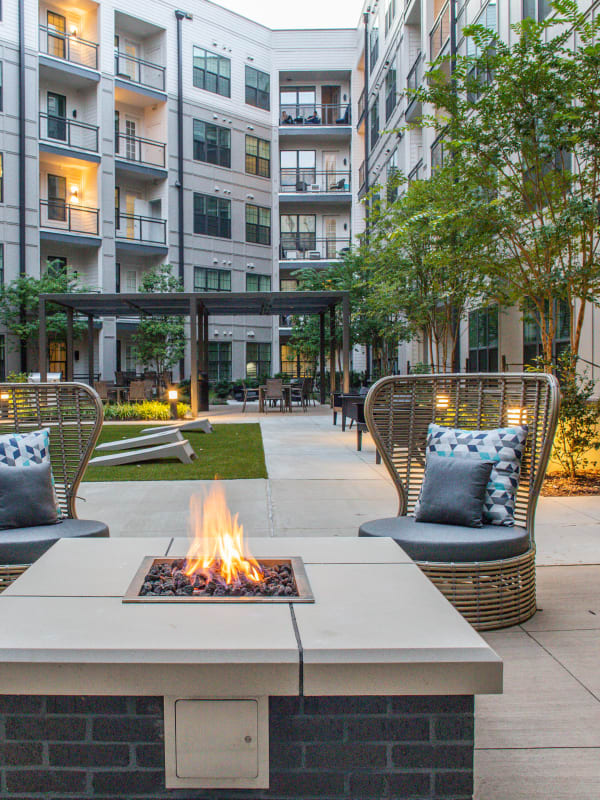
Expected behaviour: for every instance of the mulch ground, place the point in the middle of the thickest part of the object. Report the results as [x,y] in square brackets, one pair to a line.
[587,483]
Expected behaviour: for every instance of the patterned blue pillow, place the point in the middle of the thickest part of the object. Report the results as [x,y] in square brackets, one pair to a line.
[24,449]
[503,446]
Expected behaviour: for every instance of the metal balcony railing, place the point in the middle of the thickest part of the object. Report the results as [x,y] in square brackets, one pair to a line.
[68,47]
[136,70]
[361,106]
[309,181]
[314,114]
[417,173]
[70,132]
[151,230]
[58,214]
[361,176]
[306,247]
[139,150]
[440,33]
[415,74]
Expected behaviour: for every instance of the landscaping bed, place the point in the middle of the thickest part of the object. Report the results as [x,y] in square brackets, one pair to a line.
[231,452]
[557,485]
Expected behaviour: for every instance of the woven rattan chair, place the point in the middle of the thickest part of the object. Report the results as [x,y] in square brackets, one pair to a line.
[137,392]
[73,413]
[489,593]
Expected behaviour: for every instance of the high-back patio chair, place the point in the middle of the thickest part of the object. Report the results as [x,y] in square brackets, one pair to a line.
[250,394]
[274,392]
[303,393]
[137,392]
[101,388]
[487,573]
[73,413]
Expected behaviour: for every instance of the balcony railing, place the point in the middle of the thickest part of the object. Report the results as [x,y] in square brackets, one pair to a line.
[55,213]
[69,132]
[415,74]
[315,114]
[417,173]
[438,152]
[361,106]
[68,47]
[440,33]
[136,70]
[306,247]
[361,176]
[309,180]
[150,230]
[139,150]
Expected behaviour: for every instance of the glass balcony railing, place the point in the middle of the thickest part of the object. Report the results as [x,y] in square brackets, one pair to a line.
[309,181]
[136,70]
[361,106]
[306,247]
[68,132]
[146,230]
[314,114]
[68,47]
[58,214]
[417,173]
[139,150]
[440,33]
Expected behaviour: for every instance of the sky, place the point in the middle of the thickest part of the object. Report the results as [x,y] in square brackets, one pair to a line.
[298,13]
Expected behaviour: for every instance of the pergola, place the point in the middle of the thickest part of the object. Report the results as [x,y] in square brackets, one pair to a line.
[199,307]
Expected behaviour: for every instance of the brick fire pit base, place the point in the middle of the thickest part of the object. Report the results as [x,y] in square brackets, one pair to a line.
[364,748]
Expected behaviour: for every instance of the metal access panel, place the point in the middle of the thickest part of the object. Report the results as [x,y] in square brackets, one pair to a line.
[217,743]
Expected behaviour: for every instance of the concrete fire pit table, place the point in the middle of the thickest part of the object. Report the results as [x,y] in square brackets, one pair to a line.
[366,693]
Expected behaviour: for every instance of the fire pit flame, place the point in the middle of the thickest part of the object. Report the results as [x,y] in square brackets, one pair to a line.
[217,550]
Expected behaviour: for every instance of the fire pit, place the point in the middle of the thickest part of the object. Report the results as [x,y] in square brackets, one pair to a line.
[218,567]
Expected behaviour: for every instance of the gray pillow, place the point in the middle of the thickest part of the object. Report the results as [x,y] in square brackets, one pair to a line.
[453,491]
[26,496]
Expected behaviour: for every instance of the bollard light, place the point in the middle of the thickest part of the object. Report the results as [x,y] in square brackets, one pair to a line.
[172,394]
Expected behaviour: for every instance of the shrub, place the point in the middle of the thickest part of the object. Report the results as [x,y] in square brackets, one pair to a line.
[148,410]
[16,377]
[222,389]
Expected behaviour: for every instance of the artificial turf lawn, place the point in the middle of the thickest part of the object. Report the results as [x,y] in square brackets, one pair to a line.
[230,452]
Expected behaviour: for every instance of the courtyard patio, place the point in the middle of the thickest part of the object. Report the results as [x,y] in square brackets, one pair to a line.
[541,737]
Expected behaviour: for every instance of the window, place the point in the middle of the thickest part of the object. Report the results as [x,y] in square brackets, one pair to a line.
[2,264]
[57,116]
[258,157]
[1,177]
[374,120]
[374,46]
[390,93]
[56,266]
[298,169]
[298,234]
[131,281]
[219,361]
[57,357]
[483,340]
[392,175]
[292,364]
[1,87]
[212,143]
[297,102]
[288,284]
[532,332]
[258,224]
[258,283]
[212,216]
[258,359]
[212,72]
[389,16]
[56,34]
[258,88]
[212,280]
[536,9]
[57,198]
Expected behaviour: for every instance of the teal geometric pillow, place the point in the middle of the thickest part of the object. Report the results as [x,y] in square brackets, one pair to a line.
[23,449]
[503,446]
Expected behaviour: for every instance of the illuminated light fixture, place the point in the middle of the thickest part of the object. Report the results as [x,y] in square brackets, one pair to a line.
[4,396]
[74,194]
[516,416]
[73,31]
[442,402]
[172,395]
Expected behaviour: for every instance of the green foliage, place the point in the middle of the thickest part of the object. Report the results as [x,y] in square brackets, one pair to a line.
[149,410]
[222,389]
[16,377]
[579,417]
[160,340]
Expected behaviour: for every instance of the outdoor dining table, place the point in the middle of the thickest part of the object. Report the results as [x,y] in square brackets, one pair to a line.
[286,391]
[119,390]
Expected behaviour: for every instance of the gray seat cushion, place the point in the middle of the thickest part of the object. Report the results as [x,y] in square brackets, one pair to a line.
[26,545]
[430,541]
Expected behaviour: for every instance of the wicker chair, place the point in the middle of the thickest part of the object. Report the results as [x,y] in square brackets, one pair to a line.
[73,413]
[137,392]
[489,593]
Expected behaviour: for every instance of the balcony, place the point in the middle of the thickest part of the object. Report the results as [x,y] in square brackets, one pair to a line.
[414,79]
[139,155]
[361,108]
[140,233]
[361,179]
[308,185]
[315,120]
[440,33]
[307,248]
[68,47]
[66,220]
[63,133]
[134,71]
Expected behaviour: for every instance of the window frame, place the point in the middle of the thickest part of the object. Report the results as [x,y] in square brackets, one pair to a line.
[256,159]
[254,95]
[262,364]
[486,349]
[374,123]
[220,80]
[258,232]
[219,368]
[215,224]
[223,279]
[221,153]
[261,279]
[391,95]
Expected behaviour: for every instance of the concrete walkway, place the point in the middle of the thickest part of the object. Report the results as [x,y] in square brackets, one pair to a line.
[540,740]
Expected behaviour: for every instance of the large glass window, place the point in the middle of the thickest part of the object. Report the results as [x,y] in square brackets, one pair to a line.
[374,122]
[298,169]
[297,103]
[211,280]
[292,364]
[536,9]
[389,15]
[212,216]
[483,340]
[258,224]
[392,173]
[258,283]
[212,143]
[2,264]
[374,46]
[258,359]
[258,157]
[390,93]
[258,88]
[212,72]
[532,332]
[219,361]
[298,232]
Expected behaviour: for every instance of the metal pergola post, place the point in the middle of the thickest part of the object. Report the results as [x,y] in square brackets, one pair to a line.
[70,352]
[322,357]
[90,349]
[346,342]
[43,363]
[194,356]
[203,327]
[331,353]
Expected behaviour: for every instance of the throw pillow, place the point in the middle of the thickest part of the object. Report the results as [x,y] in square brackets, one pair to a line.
[453,491]
[503,446]
[26,496]
[24,449]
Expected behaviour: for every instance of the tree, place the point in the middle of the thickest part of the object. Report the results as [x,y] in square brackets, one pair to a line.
[524,119]
[428,252]
[160,339]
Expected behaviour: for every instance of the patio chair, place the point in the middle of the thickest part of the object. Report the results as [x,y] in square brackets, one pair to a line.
[250,395]
[274,393]
[101,389]
[73,413]
[302,393]
[137,392]
[487,573]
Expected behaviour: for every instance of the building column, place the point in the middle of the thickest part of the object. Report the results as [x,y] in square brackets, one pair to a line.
[194,356]
[331,353]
